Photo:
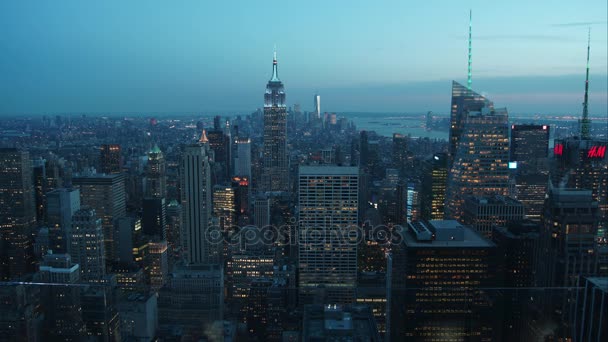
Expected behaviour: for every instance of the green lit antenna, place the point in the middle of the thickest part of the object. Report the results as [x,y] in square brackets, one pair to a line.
[470,29]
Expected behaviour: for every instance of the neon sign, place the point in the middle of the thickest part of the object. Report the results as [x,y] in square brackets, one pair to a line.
[558,150]
[596,152]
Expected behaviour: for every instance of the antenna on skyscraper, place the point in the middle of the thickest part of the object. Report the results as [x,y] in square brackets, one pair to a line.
[470,34]
[585,123]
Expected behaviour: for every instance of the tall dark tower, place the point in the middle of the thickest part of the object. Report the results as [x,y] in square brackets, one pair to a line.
[585,122]
[109,158]
[274,163]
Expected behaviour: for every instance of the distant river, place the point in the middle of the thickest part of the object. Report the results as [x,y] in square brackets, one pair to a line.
[387,124]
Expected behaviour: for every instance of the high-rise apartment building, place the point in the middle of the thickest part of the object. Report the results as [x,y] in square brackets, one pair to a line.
[274,159]
[328,212]
[196,191]
[106,194]
[17,213]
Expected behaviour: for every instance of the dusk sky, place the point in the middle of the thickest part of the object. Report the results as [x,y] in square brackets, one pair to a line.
[117,56]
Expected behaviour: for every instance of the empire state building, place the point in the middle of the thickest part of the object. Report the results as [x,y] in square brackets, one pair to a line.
[274,164]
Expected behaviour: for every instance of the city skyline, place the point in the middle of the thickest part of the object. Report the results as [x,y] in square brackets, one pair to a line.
[398,61]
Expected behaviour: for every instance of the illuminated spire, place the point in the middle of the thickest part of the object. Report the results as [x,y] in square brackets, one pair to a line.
[203,138]
[275,73]
[585,122]
[470,41]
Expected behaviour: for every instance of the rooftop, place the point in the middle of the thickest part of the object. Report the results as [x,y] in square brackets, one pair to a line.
[329,170]
[443,233]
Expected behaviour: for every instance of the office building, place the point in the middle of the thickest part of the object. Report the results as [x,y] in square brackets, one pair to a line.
[328,212]
[61,204]
[464,101]
[224,207]
[567,247]
[154,217]
[261,211]
[242,163]
[157,264]
[87,248]
[100,315]
[317,105]
[219,143]
[529,143]
[274,157]
[105,193]
[590,321]
[516,243]
[17,213]
[434,187]
[156,174]
[483,213]
[138,314]
[439,273]
[61,304]
[583,164]
[192,299]
[481,162]
[196,203]
[337,322]
[110,159]
[399,151]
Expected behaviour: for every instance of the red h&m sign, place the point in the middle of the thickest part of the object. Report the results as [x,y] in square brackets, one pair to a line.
[558,150]
[596,152]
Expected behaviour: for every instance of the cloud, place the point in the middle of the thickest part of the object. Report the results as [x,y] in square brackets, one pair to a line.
[583,23]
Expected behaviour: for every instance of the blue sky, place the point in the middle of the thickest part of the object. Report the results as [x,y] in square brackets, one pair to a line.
[204,56]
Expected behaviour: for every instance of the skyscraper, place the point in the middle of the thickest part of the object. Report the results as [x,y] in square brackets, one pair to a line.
[156,174]
[275,163]
[224,206]
[154,217]
[328,212]
[567,246]
[61,204]
[196,194]
[439,272]
[434,187]
[62,309]
[242,164]
[109,158]
[87,248]
[483,213]
[464,100]
[529,143]
[17,213]
[481,162]
[317,106]
[106,194]
[399,151]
